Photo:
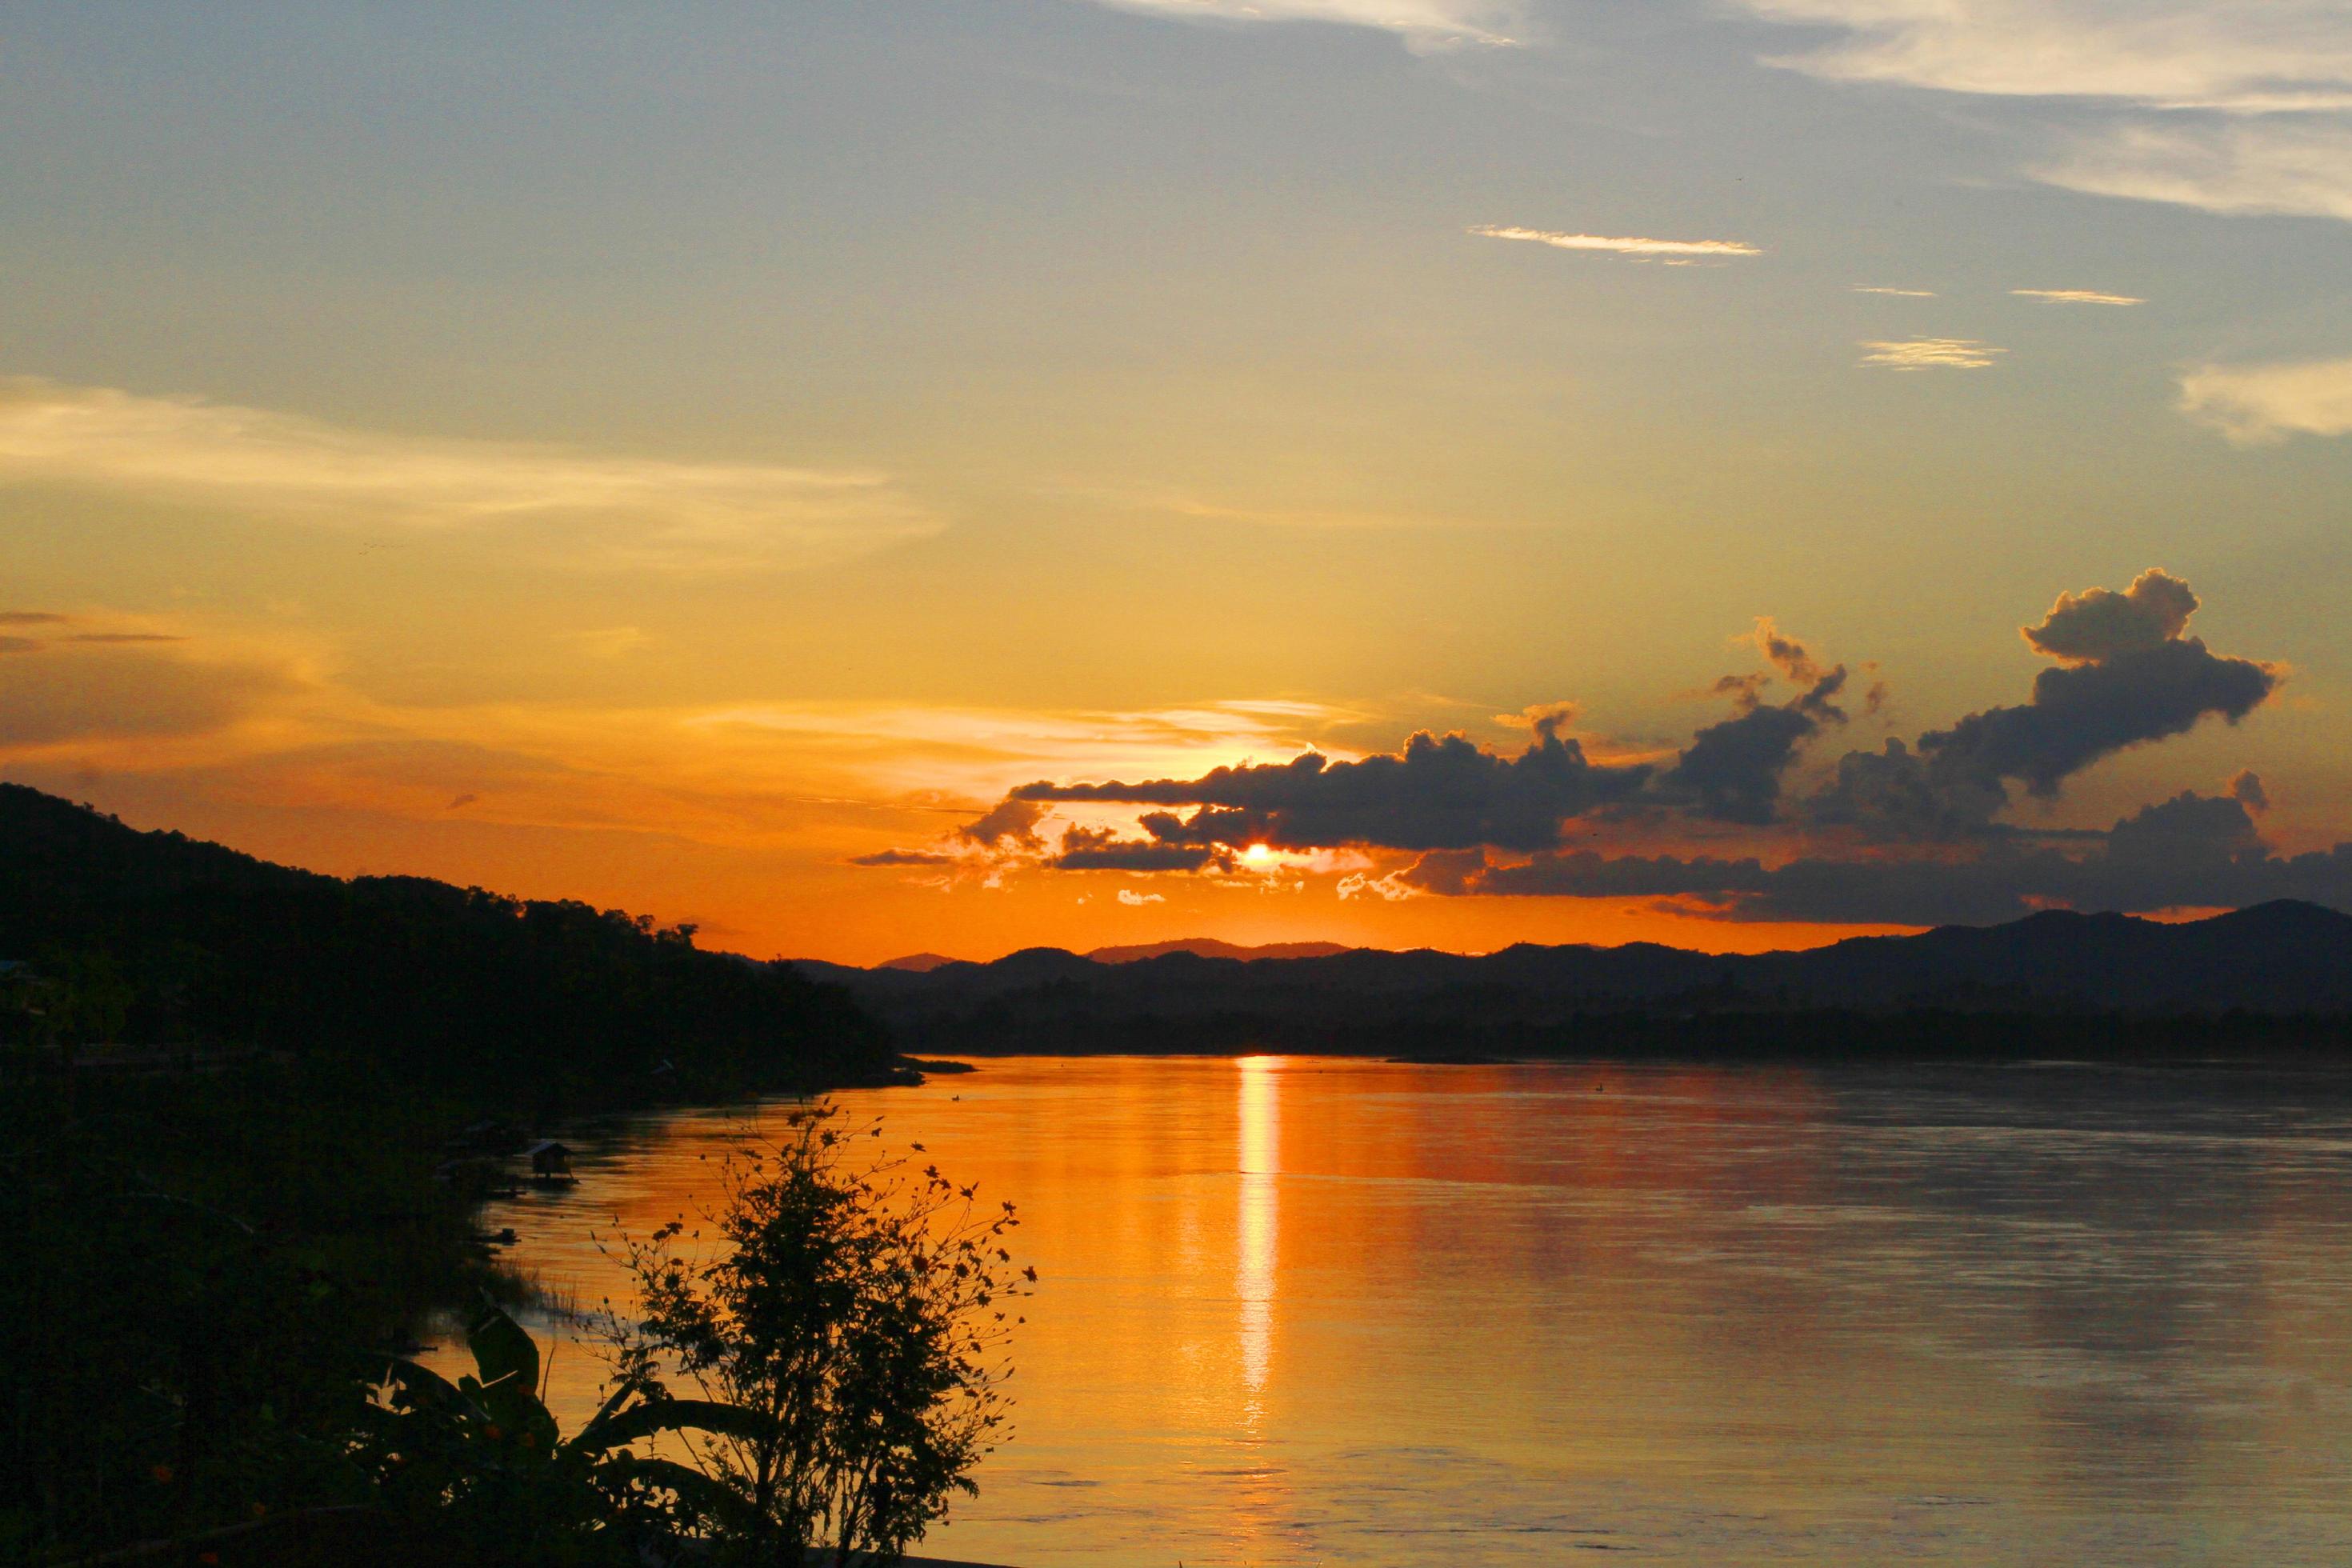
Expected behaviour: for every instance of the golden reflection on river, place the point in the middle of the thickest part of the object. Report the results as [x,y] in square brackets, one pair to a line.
[1258,1230]
[1303,1309]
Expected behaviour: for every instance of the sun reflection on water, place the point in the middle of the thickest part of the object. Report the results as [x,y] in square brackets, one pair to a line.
[1257,1233]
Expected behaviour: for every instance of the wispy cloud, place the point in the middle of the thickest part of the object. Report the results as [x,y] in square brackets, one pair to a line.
[1136,901]
[1424,24]
[2262,404]
[2076,297]
[1929,354]
[2278,71]
[579,508]
[2267,57]
[2300,168]
[1898,293]
[1620,244]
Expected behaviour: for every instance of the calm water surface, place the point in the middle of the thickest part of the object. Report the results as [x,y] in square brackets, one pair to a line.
[1301,1310]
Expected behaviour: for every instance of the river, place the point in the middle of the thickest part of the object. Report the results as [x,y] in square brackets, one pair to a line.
[1299,1311]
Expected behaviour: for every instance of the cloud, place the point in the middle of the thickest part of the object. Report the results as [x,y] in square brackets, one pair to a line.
[2262,404]
[1426,24]
[1897,293]
[1438,793]
[1929,354]
[1136,901]
[77,692]
[31,619]
[2231,108]
[1620,244]
[2076,297]
[1388,890]
[2293,168]
[1128,856]
[903,858]
[1911,829]
[580,508]
[2129,676]
[1731,770]
[2189,851]
[1009,822]
[19,645]
[2258,58]
[2098,623]
[2246,789]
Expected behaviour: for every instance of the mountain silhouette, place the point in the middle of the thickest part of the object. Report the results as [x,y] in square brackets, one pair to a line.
[2280,961]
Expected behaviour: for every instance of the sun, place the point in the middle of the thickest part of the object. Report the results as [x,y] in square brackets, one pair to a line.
[1257,853]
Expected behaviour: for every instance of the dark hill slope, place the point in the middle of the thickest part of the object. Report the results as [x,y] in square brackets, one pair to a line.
[402,974]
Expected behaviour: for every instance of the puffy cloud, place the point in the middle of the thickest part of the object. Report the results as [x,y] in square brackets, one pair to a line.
[1136,901]
[1620,245]
[1732,770]
[580,509]
[2099,623]
[1010,821]
[1438,793]
[2264,404]
[2131,676]
[1928,353]
[2247,790]
[1917,824]
[2082,712]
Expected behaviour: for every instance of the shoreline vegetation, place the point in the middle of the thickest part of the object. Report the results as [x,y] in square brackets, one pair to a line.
[243,1140]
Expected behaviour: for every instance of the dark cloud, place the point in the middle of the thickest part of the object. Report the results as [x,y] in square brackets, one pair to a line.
[2099,623]
[2192,850]
[2247,789]
[1127,854]
[123,637]
[2130,675]
[19,645]
[1011,820]
[903,858]
[30,618]
[1731,770]
[2082,712]
[1437,793]
[460,802]
[1785,654]
[1897,793]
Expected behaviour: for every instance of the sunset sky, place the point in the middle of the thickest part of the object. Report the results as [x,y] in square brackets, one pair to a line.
[848,475]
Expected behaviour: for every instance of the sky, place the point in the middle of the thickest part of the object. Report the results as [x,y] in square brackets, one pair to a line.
[868,479]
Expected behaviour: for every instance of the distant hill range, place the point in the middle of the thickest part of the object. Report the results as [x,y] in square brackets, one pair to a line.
[2069,974]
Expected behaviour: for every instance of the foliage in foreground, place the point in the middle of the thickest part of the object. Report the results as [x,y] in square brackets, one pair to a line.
[209,1273]
[854,1317]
